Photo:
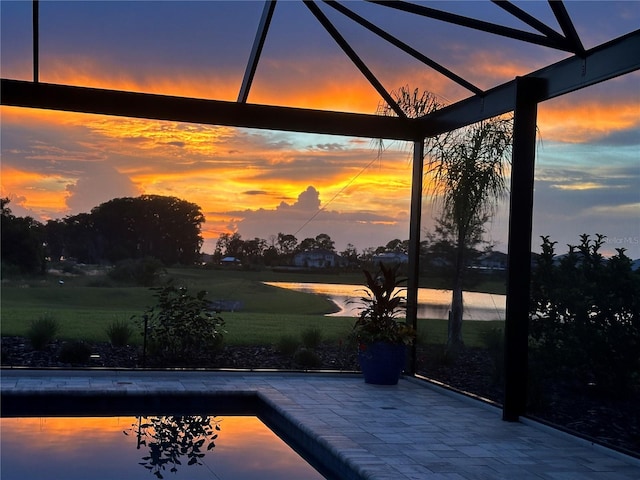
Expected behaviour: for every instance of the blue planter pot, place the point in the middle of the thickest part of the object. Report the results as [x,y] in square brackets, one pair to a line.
[381,362]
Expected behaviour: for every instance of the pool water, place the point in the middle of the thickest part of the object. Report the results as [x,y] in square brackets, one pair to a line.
[125,447]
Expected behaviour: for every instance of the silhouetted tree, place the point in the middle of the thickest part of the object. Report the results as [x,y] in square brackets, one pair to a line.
[350,254]
[230,245]
[287,243]
[307,245]
[468,179]
[22,242]
[81,240]
[466,172]
[163,227]
[254,249]
[324,242]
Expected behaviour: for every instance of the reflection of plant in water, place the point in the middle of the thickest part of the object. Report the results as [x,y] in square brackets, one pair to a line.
[170,438]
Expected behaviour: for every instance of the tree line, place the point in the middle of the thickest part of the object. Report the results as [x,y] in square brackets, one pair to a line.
[168,230]
[165,228]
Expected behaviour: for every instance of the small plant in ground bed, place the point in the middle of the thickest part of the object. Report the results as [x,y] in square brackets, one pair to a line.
[307,358]
[119,333]
[311,337]
[493,339]
[75,353]
[287,345]
[181,328]
[141,271]
[42,331]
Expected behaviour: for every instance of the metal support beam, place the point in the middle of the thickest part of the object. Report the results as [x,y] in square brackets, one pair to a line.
[35,13]
[20,93]
[516,329]
[528,19]
[353,56]
[414,246]
[258,43]
[404,47]
[476,24]
[564,19]
[602,63]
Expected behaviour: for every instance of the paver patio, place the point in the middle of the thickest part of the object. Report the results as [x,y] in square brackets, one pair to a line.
[410,431]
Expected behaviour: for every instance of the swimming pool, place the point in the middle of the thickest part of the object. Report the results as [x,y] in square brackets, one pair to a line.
[214,435]
[177,447]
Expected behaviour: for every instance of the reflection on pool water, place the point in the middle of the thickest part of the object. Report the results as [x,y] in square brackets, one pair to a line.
[176,447]
[432,303]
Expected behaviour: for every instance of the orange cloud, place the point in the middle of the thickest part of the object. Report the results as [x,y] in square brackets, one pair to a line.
[590,119]
[88,71]
[582,186]
[34,191]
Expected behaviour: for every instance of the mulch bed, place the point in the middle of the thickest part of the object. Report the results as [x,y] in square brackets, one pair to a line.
[614,422]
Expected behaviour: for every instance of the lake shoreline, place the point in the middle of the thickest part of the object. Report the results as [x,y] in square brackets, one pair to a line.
[432,303]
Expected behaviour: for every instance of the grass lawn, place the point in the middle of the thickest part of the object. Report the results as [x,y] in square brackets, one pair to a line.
[86,305]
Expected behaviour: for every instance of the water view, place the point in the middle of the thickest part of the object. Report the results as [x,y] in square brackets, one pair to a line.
[193,447]
[432,303]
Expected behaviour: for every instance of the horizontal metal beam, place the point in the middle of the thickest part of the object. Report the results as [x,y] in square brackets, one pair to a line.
[48,96]
[607,61]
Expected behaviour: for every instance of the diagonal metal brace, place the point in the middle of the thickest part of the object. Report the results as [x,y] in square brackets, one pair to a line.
[258,43]
[353,56]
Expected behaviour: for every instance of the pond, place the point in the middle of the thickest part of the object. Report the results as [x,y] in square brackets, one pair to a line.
[432,303]
[147,447]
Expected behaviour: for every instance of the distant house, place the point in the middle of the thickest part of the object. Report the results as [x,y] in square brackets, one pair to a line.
[318,258]
[228,261]
[391,258]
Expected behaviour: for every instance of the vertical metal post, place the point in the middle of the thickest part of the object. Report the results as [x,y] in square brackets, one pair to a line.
[36,40]
[414,246]
[144,341]
[519,256]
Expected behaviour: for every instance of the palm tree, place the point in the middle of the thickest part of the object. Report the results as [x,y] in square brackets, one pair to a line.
[466,176]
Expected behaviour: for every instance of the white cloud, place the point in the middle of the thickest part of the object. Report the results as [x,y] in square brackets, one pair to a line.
[98,184]
[306,217]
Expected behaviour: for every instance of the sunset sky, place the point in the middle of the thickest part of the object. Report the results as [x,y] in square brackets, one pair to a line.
[259,182]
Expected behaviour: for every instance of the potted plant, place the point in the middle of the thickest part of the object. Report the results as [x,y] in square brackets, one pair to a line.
[381,338]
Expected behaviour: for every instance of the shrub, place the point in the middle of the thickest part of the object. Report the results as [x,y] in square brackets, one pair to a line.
[311,337]
[181,328]
[75,353]
[287,345]
[307,358]
[493,339]
[42,331]
[587,308]
[140,271]
[119,333]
